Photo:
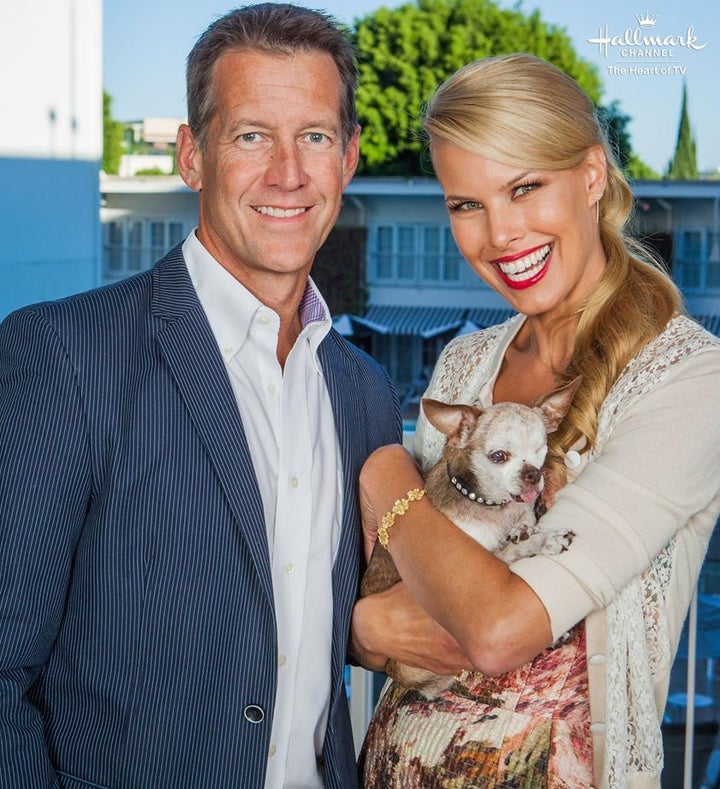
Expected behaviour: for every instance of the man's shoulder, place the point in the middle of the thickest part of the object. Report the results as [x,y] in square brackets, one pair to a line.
[116,302]
[92,300]
[335,343]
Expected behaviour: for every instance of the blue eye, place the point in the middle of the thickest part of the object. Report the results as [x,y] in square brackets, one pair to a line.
[465,205]
[524,189]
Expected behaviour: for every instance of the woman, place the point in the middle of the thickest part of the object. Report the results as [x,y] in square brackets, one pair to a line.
[538,207]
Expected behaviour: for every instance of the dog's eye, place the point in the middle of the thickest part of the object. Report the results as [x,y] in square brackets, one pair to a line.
[499,456]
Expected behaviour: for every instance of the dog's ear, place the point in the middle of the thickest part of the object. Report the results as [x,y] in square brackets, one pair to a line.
[456,421]
[555,405]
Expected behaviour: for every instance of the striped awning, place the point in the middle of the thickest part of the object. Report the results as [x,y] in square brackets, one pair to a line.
[428,322]
[425,322]
[483,317]
[710,322]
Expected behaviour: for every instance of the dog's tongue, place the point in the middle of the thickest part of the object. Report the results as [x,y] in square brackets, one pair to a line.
[529,496]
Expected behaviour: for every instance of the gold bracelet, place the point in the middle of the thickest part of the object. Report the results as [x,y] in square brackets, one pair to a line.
[400,507]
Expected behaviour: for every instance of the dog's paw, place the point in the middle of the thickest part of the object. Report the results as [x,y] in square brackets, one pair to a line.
[522,531]
[557,542]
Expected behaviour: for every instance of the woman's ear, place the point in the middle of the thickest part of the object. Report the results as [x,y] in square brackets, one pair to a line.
[595,173]
[189,157]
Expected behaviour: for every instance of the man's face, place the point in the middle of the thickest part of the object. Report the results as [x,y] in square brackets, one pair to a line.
[274,168]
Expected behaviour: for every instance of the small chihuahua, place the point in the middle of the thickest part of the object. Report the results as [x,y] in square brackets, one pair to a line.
[487,481]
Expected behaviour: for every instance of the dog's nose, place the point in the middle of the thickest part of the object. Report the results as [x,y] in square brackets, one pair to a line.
[530,475]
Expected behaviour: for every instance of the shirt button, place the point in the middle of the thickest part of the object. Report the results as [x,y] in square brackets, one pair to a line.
[272,751]
[282,660]
[294,482]
[254,714]
[263,320]
[597,728]
[289,568]
[271,389]
[596,660]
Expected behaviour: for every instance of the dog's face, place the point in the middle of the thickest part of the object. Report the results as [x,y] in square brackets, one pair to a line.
[499,451]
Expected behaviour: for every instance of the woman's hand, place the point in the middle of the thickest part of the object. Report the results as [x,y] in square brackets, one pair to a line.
[387,475]
[393,624]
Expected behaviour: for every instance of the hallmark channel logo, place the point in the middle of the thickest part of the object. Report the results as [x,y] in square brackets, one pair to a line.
[644,49]
[647,20]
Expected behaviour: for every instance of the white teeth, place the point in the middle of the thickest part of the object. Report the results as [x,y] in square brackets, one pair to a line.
[280,212]
[520,270]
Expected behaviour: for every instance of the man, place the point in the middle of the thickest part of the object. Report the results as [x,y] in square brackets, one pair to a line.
[179,534]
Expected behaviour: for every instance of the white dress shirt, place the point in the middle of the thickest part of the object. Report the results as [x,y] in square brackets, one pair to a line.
[290,428]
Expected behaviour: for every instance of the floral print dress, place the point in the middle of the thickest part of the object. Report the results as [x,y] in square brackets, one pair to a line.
[529,728]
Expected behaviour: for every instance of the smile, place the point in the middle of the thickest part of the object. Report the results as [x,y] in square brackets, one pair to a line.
[270,210]
[525,270]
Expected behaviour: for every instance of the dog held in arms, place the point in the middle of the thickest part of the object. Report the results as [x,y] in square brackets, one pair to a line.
[488,482]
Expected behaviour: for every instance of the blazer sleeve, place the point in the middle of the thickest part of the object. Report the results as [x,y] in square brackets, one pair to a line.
[44,494]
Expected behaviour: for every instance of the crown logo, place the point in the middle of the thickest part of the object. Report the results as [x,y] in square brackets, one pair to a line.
[648,20]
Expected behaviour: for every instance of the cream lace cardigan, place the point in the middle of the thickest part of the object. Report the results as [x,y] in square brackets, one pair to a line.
[643,504]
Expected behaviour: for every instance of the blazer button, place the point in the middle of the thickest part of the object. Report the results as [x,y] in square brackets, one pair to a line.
[254,714]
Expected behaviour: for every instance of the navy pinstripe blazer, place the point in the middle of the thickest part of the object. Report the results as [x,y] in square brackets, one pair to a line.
[136,608]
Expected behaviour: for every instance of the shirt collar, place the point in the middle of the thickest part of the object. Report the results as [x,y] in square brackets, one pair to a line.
[231,308]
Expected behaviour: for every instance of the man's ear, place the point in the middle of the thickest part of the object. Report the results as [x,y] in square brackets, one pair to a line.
[351,156]
[595,173]
[189,157]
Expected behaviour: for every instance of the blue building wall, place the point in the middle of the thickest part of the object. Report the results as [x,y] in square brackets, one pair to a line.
[49,229]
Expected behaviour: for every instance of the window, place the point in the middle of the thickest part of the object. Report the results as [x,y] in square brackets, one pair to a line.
[133,245]
[452,259]
[176,233]
[431,253]
[417,253]
[688,269]
[407,252]
[712,279]
[384,252]
[113,247]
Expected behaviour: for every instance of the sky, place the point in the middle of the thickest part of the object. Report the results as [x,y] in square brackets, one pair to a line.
[145,44]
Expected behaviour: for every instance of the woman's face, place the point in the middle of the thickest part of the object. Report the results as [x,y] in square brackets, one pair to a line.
[531,235]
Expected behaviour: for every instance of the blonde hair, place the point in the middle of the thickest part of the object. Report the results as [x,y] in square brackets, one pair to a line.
[522,111]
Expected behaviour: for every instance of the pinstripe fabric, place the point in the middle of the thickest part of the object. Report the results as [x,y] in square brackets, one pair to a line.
[136,616]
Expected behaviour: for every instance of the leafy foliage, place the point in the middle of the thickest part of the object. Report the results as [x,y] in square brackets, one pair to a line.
[112,138]
[683,165]
[616,122]
[637,170]
[406,52]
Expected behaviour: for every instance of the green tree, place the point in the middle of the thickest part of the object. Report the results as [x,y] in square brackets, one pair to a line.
[637,170]
[405,53]
[112,138]
[616,123]
[683,165]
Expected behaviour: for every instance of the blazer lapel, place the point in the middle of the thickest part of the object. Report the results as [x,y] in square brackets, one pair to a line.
[349,409]
[190,351]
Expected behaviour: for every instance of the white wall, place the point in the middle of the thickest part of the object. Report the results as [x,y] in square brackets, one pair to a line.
[50,149]
[51,86]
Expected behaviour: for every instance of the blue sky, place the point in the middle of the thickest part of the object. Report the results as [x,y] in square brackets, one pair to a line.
[145,45]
